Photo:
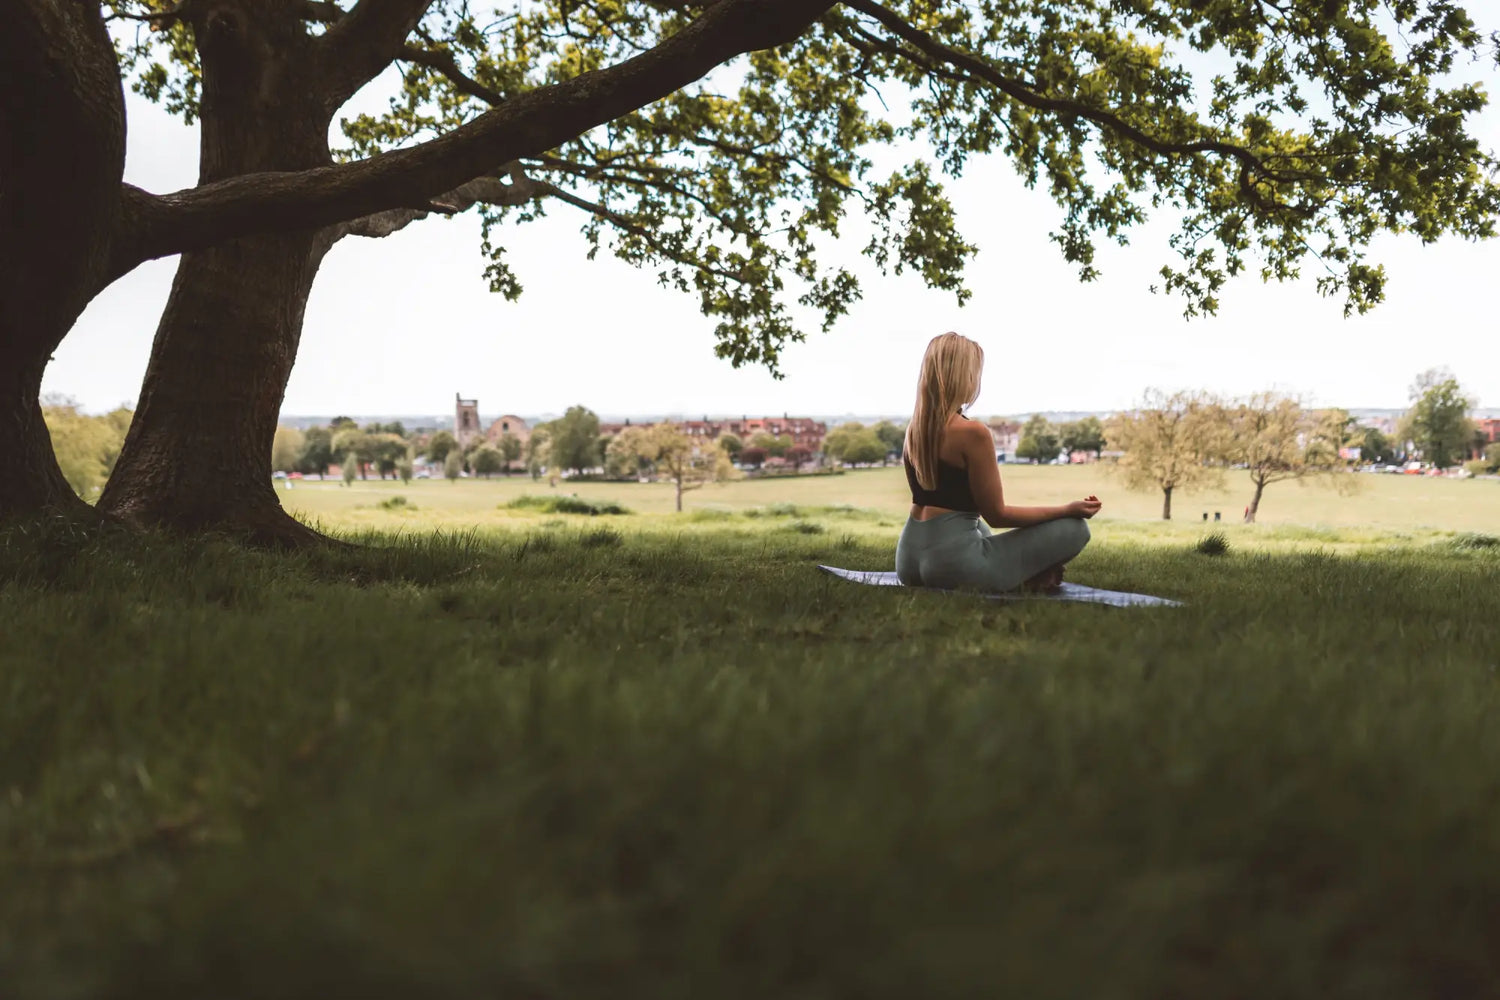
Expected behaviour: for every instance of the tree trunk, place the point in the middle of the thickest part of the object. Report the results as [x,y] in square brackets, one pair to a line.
[1254,503]
[62,157]
[198,453]
[1166,503]
[679,494]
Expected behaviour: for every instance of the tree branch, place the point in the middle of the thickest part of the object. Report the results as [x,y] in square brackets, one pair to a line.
[1250,163]
[444,63]
[363,42]
[488,190]
[525,125]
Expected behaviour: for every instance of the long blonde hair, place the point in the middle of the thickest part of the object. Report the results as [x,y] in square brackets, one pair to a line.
[949,381]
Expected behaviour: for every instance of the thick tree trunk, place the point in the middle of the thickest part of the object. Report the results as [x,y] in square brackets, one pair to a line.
[1254,507]
[62,156]
[1166,503]
[198,453]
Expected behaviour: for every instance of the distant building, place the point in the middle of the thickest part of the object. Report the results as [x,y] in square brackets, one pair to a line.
[508,424]
[803,431]
[465,419]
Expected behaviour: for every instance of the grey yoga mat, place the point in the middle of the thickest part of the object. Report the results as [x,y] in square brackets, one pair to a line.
[1069,591]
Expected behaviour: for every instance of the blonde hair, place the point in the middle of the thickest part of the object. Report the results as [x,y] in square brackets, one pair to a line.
[949,381]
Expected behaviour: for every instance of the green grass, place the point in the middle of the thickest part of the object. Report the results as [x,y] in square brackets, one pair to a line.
[668,758]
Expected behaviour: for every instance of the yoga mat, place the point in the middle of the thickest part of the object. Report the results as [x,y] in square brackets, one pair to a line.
[1069,591]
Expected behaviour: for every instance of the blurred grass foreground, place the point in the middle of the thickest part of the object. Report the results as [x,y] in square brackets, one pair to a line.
[594,755]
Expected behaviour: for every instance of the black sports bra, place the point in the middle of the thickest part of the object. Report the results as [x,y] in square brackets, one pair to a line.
[952,489]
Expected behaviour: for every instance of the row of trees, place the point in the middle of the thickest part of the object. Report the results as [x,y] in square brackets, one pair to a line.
[1043,441]
[1186,440]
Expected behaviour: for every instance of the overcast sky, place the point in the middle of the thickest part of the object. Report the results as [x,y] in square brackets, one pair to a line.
[397,326]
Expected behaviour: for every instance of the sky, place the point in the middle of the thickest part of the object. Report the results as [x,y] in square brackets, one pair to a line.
[399,325]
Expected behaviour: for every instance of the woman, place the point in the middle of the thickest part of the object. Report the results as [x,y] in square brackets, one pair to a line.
[955,491]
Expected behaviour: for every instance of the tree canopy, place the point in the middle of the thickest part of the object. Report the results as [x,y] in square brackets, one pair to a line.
[1438,422]
[1277,133]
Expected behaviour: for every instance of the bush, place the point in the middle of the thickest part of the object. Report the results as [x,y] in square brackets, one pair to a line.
[1478,467]
[802,527]
[602,538]
[396,503]
[1216,544]
[565,505]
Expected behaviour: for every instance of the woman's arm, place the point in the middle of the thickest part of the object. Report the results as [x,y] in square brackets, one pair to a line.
[984,483]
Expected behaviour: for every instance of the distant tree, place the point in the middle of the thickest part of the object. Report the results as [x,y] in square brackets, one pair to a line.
[799,455]
[753,457]
[85,446]
[1374,446]
[1040,441]
[395,427]
[686,466]
[317,451]
[439,445]
[538,449]
[404,470]
[453,465]
[351,441]
[732,445]
[1169,443]
[386,449]
[351,468]
[846,440]
[1438,421]
[1276,440]
[287,448]
[865,448]
[342,424]
[575,440]
[630,452]
[510,449]
[1492,456]
[487,460]
[892,436]
[1082,435]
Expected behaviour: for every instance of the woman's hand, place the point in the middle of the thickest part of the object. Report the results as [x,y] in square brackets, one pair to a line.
[1085,508]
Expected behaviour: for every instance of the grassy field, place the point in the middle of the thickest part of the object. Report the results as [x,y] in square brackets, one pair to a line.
[1383,507]
[657,756]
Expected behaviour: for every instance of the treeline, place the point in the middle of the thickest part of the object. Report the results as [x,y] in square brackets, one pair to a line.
[86,446]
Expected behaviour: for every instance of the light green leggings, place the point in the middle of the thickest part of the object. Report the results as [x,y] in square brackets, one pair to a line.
[957,550]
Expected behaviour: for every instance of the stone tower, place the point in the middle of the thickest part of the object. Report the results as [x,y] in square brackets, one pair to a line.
[465,419]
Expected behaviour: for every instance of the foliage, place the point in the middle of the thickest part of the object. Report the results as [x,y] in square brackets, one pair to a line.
[666,767]
[628,453]
[396,503]
[317,451]
[404,470]
[287,449]
[1040,441]
[1084,435]
[439,445]
[891,435]
[1476,541]
[731,444]
[1492,456]
[798,455]
[538,449]
[453,465]
[487,461]
[574,440]
[510,449]
[775,445]
[753,457]
[1477,467]
[1375,447]
[1276,440]
[1438,422]
[853,443]
[351,468]
[677,457]
[1170,443]
[566,505]
[86,447]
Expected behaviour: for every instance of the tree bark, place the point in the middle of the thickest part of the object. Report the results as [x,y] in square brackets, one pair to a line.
[1166,503]
[62,156]
[198,453]
[1250,511]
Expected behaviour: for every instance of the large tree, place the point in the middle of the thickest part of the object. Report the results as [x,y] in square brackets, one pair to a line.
[1323,125]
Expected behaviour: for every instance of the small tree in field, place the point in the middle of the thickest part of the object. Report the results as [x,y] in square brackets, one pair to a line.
[673,454]
[404,470]
[1276,440]
[453,466]
[1438,422]
[351,467]
[1082,435]
[1169,443]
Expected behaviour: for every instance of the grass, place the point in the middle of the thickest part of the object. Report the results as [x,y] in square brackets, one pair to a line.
[670,758]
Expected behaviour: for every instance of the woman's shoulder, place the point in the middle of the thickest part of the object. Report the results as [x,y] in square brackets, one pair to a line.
[965,429]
